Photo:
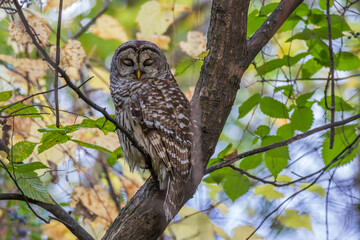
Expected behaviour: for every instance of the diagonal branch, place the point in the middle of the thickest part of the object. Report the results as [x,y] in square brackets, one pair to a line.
[267,30]
[56,210]
[280,144]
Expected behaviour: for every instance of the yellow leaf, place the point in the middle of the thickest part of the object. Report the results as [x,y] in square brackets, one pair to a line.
[96,201]
[293,219]
[33,68]
[50,4]
[57,231]
[268,192]
[100,80]
[152,19]
[194,225]
[162,41]
[315,188]
[222,208]
[18,33]
[221,233]
[243,232]
[283,178]
[3,154]
[107,27]
[214,190]
[195,44]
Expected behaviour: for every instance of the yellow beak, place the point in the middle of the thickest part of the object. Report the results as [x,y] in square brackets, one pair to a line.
[138,74]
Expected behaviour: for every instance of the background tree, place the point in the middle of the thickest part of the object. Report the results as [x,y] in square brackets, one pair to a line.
[274,151]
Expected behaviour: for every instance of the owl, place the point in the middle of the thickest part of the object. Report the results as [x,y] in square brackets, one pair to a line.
[150,105]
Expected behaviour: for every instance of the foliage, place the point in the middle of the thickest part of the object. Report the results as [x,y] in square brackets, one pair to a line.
[286,92]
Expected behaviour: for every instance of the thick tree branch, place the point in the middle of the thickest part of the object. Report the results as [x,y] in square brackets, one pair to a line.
[267,30]
[56,210]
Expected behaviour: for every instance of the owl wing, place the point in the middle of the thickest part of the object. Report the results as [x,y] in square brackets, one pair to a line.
[163,113]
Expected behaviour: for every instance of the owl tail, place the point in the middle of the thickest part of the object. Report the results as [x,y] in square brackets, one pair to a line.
[173,197]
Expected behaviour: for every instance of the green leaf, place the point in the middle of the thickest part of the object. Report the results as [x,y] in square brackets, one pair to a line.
[275,159]
[310,68]
[302,99]
[293,219]
[286,131]
[249,104]
[100,123]
[184,65]
[262,130]
[28,167]
[236,185]
[203,54]
[251,162]
[5,96]
[21,151]
[273,108]
[288,90]
[49,140]
[277,63]
[254,22]
[268,192]
[115,155]
[32,187]
[340,104]
[302,118]
[26,110]
[90,145]
[219,175]
[344,135]
[346,61]
[322,4]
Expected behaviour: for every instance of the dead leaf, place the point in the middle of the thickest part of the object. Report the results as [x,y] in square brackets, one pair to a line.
[162,41]
[17,31]
[57,231]
[195,44]
[33,68]
[50,4]
[107,27]
[189,93]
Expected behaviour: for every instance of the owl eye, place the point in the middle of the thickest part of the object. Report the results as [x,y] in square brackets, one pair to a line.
[128,62]
[148,62]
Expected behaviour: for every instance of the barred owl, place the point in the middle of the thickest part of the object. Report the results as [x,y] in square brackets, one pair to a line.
[149,103]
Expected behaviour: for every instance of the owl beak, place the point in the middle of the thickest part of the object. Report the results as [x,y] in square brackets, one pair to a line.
[138,74]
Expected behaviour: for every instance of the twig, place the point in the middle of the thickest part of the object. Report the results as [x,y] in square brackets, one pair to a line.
[84,28]
[33,95]
[279,144]
[83,83]
[340,156]
[57,59]
[331,77]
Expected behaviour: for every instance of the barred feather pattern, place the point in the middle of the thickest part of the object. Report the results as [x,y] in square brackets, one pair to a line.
[157,113]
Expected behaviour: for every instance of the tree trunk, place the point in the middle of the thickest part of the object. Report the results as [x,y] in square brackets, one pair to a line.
[229,56]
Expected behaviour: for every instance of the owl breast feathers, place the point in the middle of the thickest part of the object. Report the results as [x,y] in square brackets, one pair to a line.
[149,103]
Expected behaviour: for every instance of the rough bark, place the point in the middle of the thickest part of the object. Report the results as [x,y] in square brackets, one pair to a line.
[228,58]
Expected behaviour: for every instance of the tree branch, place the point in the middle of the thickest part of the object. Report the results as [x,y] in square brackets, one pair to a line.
[56,210]
[267,30]
[280,144]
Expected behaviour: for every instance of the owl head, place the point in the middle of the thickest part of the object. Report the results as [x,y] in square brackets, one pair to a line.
[138,60]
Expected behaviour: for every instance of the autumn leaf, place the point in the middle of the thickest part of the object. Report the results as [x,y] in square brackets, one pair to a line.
[72,56]
[33,68]
[162,41]
[107,27]
[50,4]
[153,19]
[18,33]
[195,44]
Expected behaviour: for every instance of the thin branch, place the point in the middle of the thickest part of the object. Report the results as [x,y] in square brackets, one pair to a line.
[331,77]
[60,214]
[279,144]
[57,59]
[84,28]
[348,149]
